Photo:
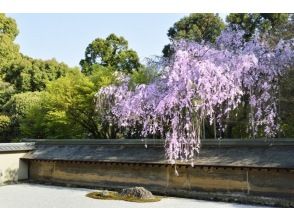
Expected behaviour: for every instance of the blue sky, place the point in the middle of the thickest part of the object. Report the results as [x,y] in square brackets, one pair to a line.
[65,36]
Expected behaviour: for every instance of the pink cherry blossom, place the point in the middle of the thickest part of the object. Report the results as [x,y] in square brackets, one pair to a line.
[203,81]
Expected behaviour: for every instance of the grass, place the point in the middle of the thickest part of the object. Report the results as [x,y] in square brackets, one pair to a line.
[116,196]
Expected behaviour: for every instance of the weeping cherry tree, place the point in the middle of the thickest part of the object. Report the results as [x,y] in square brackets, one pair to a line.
[203,81]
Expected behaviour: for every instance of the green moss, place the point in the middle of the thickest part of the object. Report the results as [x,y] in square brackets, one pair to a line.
[116,196]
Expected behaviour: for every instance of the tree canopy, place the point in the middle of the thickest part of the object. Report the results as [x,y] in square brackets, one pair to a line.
[195,27]
[8,27]
[28,74]
[257,22]
[112,52]
[9,51]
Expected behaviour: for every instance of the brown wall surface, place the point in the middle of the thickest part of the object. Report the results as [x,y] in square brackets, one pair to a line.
[276,183]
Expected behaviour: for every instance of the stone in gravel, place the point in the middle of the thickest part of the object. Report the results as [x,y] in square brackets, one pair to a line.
[137,192]
[105,193]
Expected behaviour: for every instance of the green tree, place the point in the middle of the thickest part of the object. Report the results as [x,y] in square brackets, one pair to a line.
[28,74]
[8,50]
[45,120]
[112,52]
[4,127]
[8,27]
[286,104]
[102,76]
[23,72]
[67,108]
[144,75]
[196,27]
[72,96]
[6,91]
[257,22]
[283,31]
[16,108]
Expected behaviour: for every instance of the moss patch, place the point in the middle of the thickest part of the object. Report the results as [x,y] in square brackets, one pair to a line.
[110,195]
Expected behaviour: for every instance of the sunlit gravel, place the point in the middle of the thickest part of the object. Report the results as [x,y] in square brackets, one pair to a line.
[34,196]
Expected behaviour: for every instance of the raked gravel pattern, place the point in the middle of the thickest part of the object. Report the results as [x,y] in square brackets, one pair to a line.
[42,196]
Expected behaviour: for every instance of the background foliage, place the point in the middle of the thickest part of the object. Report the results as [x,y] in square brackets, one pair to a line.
[48,99]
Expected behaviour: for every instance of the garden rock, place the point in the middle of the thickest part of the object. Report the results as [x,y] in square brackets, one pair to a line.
[137,192]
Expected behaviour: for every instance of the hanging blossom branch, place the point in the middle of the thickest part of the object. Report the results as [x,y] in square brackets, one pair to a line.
[203,81]
[261,81]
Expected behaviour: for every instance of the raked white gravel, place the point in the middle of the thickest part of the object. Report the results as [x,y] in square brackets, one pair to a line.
[42,196]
